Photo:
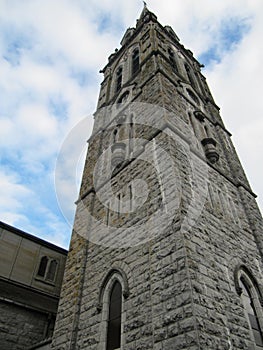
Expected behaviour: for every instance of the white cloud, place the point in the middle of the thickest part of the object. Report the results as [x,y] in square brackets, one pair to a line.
[51,52]
[236,84]
[12,191]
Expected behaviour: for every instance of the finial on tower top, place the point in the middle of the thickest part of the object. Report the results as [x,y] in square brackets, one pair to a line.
[145,15]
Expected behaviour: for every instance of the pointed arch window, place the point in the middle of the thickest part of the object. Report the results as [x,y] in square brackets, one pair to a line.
[52,269]
[248,289]
[113,291]
[135,61]
[251,313]
[42,266]
[47,269]
[114,319]
[118,79]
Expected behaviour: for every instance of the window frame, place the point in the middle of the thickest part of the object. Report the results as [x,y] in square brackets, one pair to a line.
[45,277]
[118,79]
[135,61]
[104,302]
[244,275]
[111,318]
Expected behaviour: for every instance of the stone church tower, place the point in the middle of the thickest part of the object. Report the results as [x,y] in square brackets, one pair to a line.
[166,250]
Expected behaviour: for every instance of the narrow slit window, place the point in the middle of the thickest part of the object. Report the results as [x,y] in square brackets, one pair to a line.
[108,214]
[131,198]
[119,204]
[135,61]
[114,319]
[131,134]
[115,132]
[118,79]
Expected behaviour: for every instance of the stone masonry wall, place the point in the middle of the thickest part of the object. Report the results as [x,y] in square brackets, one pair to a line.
[180,271]
[20,327]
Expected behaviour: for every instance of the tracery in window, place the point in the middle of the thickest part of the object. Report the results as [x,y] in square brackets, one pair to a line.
[135,61]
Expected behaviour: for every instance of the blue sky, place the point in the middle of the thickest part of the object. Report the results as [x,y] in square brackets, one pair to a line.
[51,54]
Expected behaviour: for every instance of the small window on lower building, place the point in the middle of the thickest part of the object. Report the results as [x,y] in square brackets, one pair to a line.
[42,266]
[47,269]
[52,269]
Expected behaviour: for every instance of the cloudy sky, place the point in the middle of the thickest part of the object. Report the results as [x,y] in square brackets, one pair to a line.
[51,54]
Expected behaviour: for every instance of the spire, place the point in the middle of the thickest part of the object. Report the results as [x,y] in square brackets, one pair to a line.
[145,15]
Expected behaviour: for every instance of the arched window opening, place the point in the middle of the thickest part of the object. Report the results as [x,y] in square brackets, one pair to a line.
[52,269]
[115,132]
[252,316]
[114,289]
[114,319]
[118,79]
[172,60]
[135,61]
[47,269]
[42,266]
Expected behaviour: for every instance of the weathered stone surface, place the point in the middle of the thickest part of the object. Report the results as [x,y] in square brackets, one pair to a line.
[182,292]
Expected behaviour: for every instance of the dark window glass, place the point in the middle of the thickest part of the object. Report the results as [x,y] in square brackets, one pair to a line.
[118,79]
[52,270]
[114,321]
[135,61]
[115,135]
[252,316]
[42,266]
